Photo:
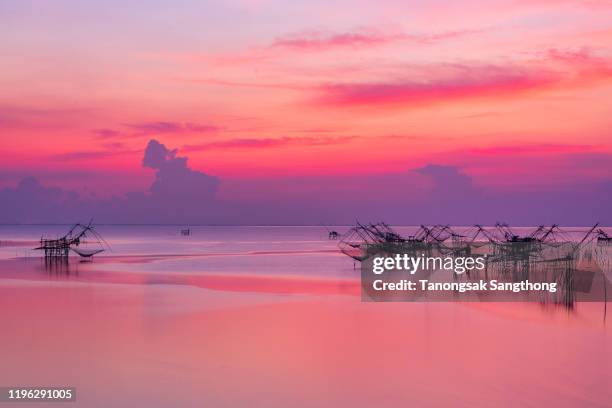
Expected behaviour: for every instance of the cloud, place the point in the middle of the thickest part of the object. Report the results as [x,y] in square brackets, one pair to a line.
[534,149]
[29,201]
[533,166]
[315,41]
[106,133]
[157,155]
[446,176]
[175,182]
[452,192]
[142,129]
[110,150]
[170,127]
[321,40]
[84,155]
[434,193]
[470,82]
[178,194]
[555,69]
[251,143]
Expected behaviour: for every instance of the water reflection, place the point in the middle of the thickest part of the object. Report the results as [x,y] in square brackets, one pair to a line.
[579,272]
[60,267]
[558,274]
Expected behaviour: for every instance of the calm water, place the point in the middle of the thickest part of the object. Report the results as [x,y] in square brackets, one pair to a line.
[269,250]
[271,316]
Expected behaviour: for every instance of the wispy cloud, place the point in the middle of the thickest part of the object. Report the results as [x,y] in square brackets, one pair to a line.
[535,149]
[108,150]
[153,128]
[446,82]
[470,82]
[260,143]
[321,40]
[170,127]
[106,133]
[87,155]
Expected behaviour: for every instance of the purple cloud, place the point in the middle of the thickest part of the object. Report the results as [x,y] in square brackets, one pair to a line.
[152,129]
[447,82]
[170,127]
[175,182]
[430,194]
[469,82]
[246,143]
[106,133]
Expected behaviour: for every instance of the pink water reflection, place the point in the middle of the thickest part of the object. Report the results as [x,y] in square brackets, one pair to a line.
[165,345]
[158,331]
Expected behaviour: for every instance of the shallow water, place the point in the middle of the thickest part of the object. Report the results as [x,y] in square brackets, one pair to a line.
[271,316]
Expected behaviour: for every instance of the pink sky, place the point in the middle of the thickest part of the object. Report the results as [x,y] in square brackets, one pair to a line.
[515,93]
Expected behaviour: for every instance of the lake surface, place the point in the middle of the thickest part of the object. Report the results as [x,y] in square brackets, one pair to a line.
[271,316]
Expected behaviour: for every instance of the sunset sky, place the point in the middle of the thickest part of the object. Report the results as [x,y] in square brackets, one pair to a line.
[516,95]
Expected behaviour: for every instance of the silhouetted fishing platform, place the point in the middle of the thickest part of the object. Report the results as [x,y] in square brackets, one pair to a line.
[501,240]
[74,240]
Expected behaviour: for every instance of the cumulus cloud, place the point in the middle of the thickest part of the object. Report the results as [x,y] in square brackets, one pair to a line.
[446,177]
[30,201]
[178,194]
[174,180]
[429,194]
